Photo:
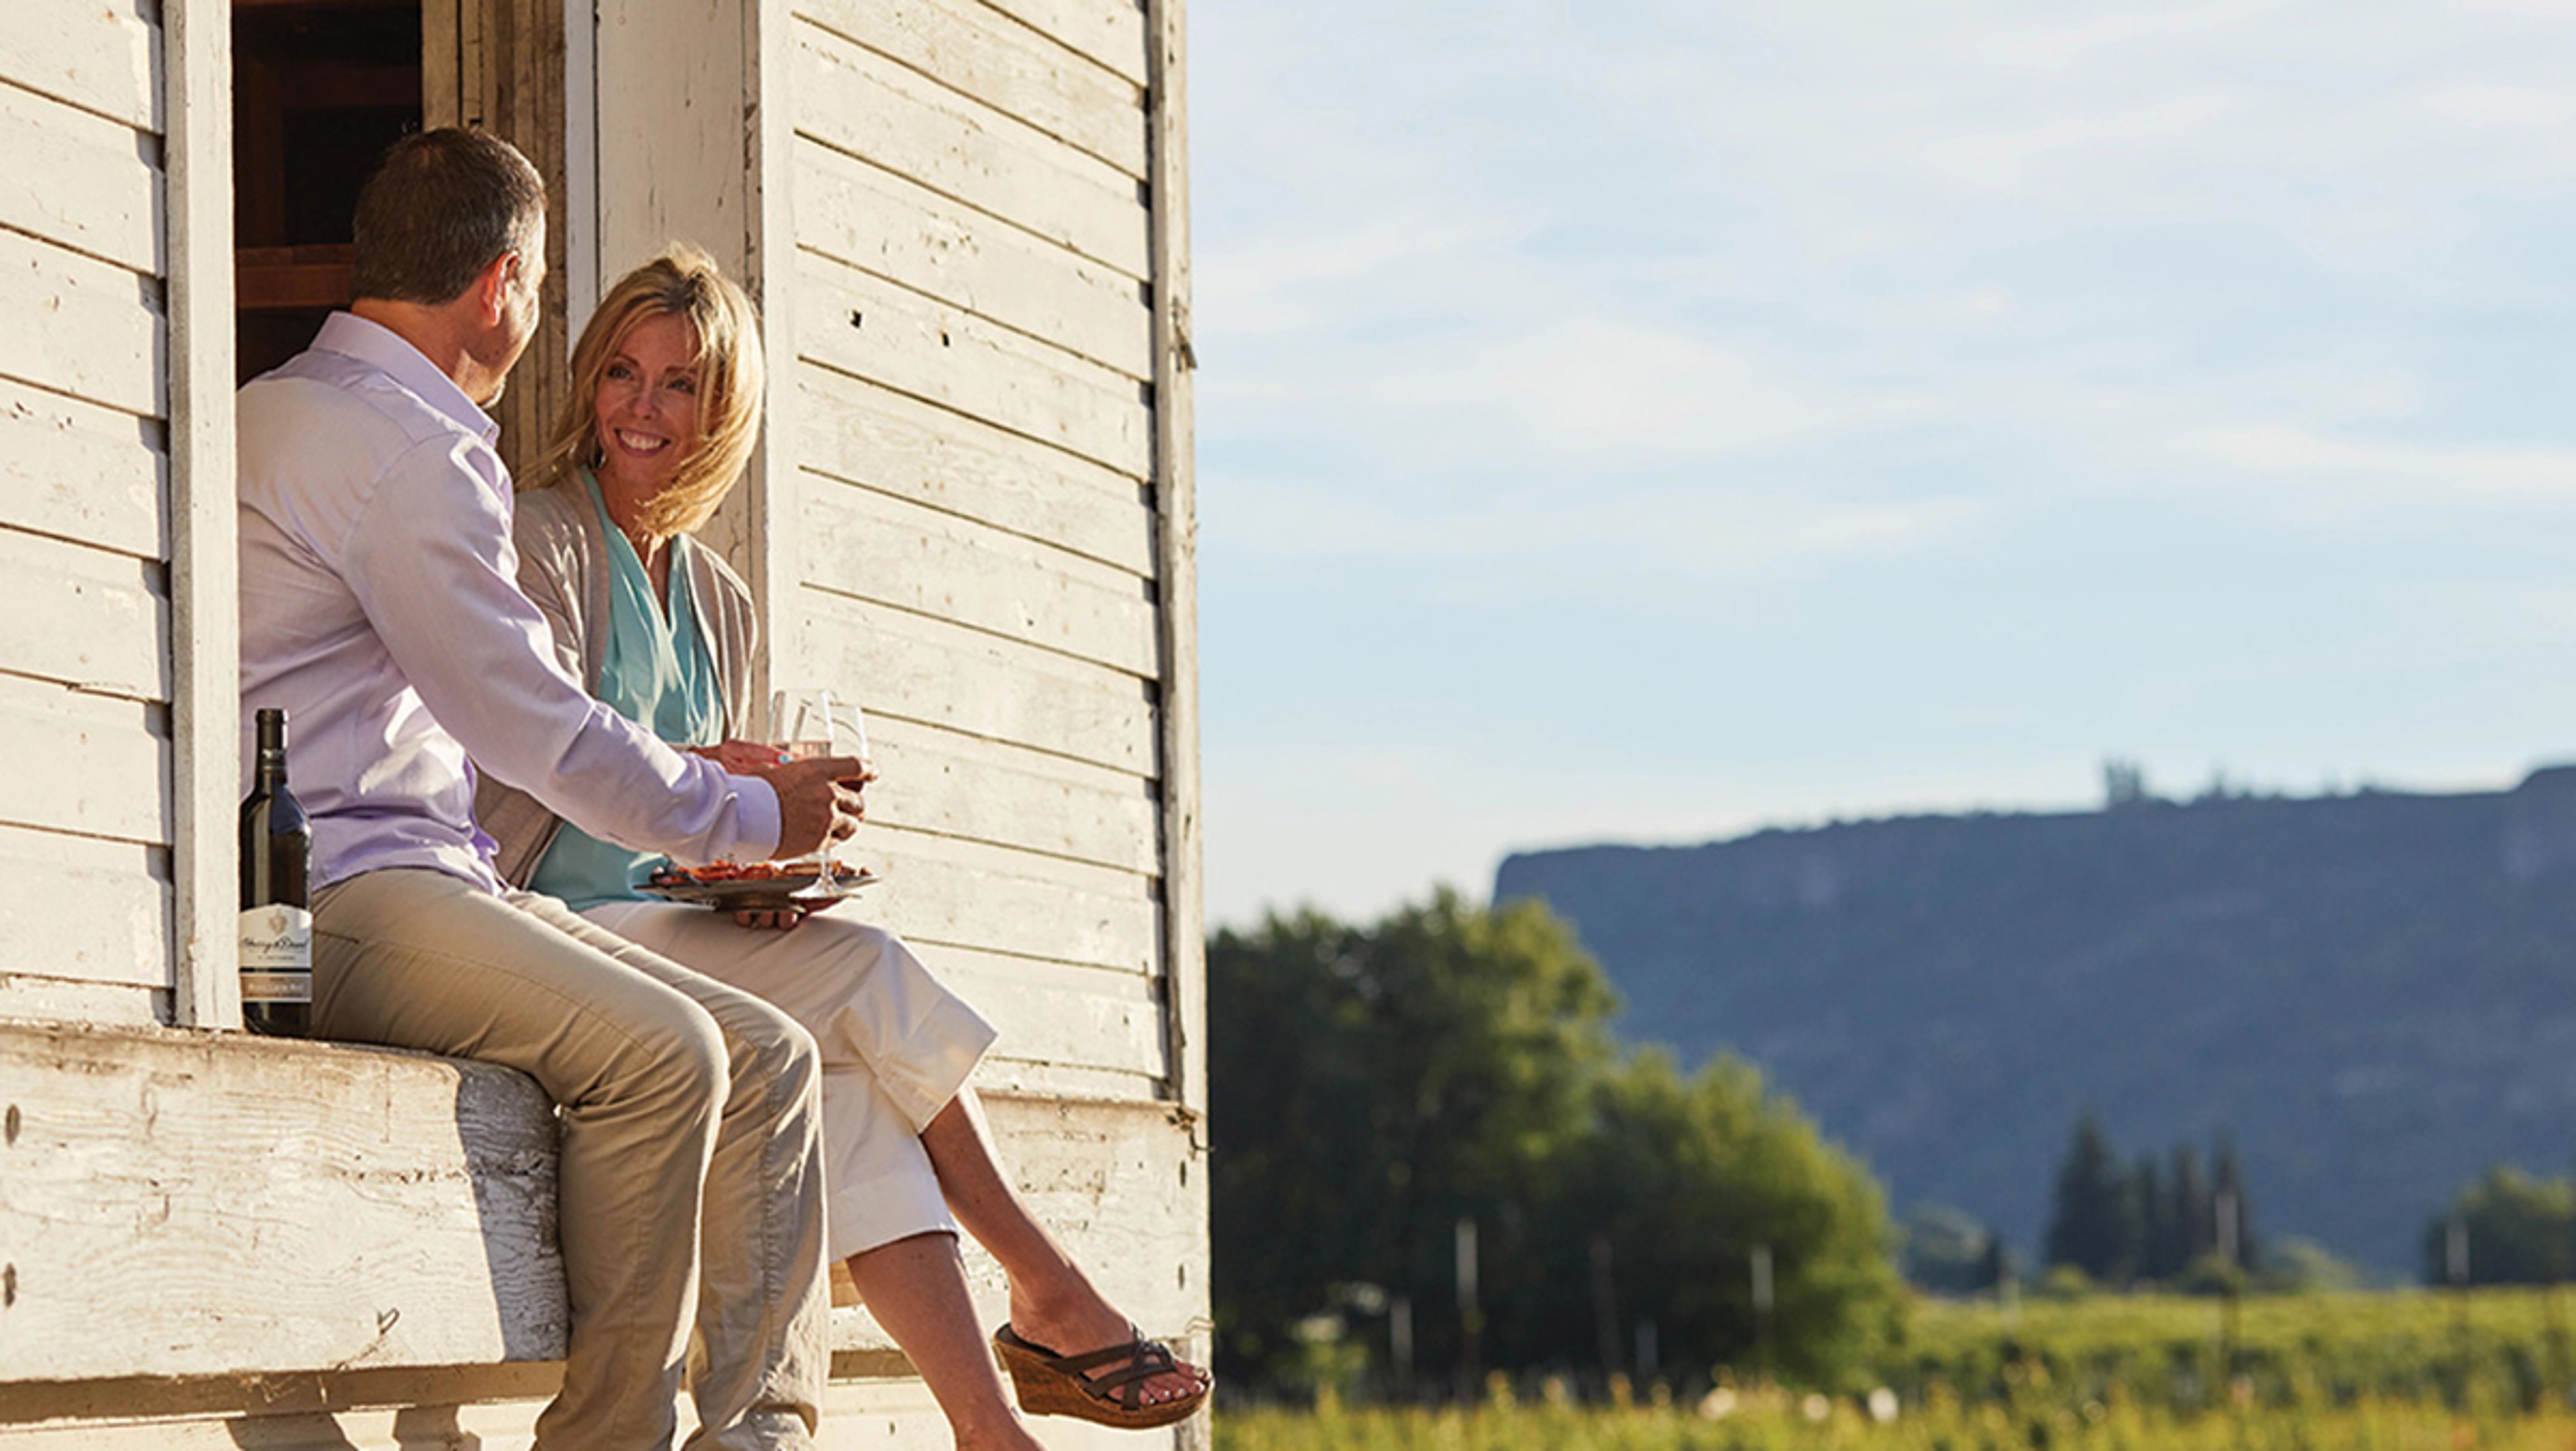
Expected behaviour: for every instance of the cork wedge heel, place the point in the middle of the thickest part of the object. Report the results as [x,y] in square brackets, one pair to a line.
[1049,1384]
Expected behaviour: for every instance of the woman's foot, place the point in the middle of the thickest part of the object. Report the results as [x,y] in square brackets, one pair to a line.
[1078,1320]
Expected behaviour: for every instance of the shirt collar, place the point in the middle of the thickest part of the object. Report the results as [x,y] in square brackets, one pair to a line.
[381,347]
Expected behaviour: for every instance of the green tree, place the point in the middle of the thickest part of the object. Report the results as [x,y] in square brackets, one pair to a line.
[1690,1177]
[2521,1230]
[1372,1086]
[2091,1216]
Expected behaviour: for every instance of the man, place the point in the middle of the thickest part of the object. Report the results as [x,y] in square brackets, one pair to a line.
[379,607]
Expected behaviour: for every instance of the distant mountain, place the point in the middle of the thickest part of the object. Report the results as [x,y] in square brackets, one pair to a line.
[2375,993]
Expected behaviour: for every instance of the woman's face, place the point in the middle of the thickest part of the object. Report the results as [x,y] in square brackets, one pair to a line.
[646,413]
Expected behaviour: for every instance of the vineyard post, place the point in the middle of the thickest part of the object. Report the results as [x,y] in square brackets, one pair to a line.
[1762,1300]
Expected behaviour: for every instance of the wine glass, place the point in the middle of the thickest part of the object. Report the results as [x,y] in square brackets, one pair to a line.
[809,722]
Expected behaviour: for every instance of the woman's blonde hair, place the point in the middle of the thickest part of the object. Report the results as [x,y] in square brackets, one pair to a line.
[682,282]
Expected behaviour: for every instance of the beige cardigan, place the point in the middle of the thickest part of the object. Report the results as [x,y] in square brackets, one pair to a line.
[563,567]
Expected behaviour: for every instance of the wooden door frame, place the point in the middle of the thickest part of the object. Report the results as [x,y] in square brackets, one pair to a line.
[500,65]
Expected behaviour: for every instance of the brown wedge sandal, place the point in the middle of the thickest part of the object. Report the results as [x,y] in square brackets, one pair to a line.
[1049,1384]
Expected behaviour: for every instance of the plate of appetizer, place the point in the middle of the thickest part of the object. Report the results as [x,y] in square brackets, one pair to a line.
[760,887]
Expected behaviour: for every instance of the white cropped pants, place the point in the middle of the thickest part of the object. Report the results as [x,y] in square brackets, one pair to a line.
[896,1046]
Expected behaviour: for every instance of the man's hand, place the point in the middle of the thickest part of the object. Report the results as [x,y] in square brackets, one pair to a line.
[743,758]
[818,801]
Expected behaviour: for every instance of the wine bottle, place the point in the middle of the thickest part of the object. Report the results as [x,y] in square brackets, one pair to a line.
[276,920]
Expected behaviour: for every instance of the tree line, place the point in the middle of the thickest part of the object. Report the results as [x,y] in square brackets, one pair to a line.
[2148,1220]
[1431,1159]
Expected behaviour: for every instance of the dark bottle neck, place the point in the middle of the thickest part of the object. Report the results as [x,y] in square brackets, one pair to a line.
[270,766]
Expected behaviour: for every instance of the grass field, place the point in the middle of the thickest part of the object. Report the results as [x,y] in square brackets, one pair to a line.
[2382,1372]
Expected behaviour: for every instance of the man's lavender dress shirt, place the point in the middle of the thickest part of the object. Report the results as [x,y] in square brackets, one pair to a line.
[379,606]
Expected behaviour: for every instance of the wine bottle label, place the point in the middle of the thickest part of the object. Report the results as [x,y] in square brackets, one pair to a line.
[276,939]
[277,987]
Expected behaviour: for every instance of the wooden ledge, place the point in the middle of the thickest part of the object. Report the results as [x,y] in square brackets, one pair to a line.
[199,1204]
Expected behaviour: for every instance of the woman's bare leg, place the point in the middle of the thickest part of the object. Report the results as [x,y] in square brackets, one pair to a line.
[1053,1303]
[916,1287]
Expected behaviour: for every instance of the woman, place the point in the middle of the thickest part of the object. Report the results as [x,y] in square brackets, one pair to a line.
[664,409]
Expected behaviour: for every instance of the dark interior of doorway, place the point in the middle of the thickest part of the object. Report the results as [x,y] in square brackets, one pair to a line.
[320,89]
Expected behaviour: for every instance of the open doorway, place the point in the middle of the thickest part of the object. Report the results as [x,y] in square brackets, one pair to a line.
[321,88]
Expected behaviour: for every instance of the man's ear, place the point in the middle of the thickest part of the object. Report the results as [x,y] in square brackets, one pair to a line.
[492,288]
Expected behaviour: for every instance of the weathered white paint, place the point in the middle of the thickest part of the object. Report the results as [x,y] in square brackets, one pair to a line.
[205,626]
[861,433]
[1095,1172]
[74,177]
[56,1000]
[881,1409]
[101,909]
[79,471]
[1095,1020]
[106,770]
[178,1203]
[98,54]
[1185,921]
[972,48]
[954,785]
[1110,32]
[80,326]
[880,223]
[859,102]
[868,328]
[937,673]
[84,617]
[944,891]
[882,549]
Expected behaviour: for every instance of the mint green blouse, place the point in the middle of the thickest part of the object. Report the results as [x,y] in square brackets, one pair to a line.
[656,671]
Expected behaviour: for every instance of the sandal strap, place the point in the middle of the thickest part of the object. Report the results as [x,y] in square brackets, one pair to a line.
[1139,1360]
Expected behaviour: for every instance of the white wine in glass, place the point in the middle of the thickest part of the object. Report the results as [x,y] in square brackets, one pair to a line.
[808,723]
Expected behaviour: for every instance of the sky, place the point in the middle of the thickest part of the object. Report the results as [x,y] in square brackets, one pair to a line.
[1651,420]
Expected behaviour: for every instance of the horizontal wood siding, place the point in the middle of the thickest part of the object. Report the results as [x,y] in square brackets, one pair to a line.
[398,1210]
[85,524]
[974,509]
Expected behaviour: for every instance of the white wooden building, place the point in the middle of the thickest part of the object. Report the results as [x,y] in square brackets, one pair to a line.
[965,222]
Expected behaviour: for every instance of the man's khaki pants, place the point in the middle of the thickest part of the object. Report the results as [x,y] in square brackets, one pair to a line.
[691,1182]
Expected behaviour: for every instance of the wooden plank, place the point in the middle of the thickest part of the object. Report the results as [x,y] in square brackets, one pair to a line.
[858,102]
[77,178]
[79,326]
[877,222]
[205,620]
[936,673]
[873,547]
[1017,71]
[34,999]
[277,1411]
[948,893]
[951,785]
[107,765]
[1063,1017]
[83,617]
[1110,32]
[214,1204]
[863,433]
[1175,474]
[81,909]
[869,328]
[1111,1180]
[79,471]
[100,55]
